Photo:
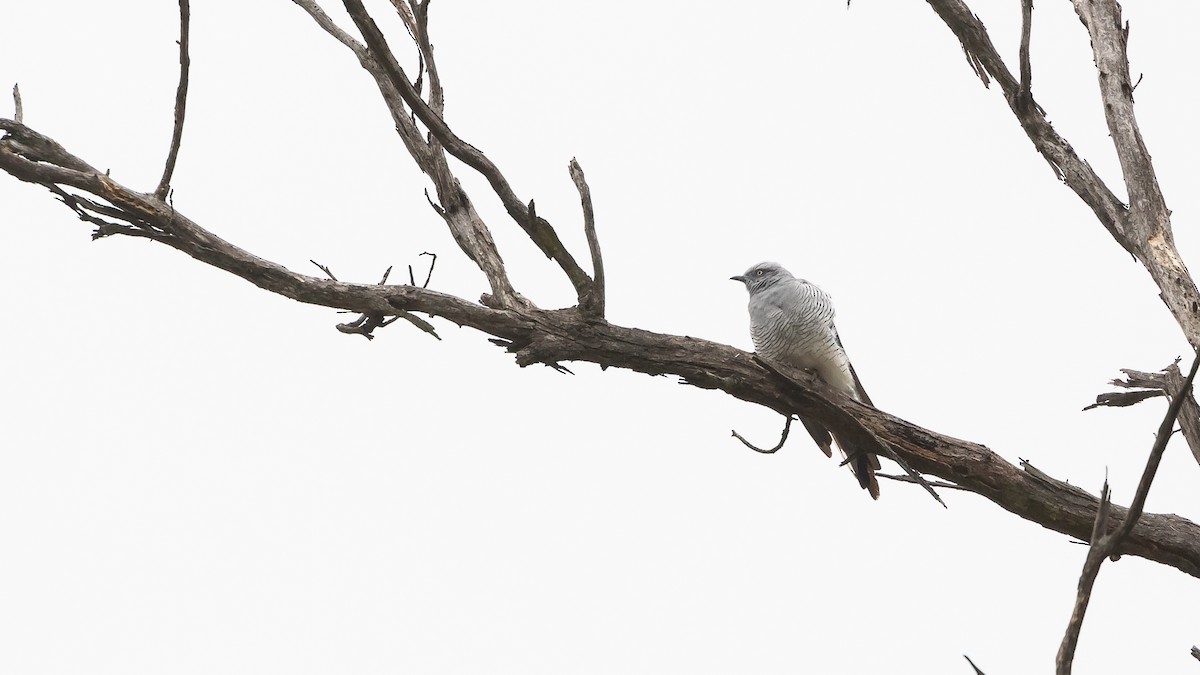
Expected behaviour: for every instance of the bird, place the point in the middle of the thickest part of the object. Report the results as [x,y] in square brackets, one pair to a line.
[791,322]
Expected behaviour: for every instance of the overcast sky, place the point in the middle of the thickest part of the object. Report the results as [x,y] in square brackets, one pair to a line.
[197,476]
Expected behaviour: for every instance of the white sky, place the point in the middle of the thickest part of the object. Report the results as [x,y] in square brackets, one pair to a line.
[197,476]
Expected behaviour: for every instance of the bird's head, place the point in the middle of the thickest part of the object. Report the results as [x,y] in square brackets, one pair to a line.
[762,276]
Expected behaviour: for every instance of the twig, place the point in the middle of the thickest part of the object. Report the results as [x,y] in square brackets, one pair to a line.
[909,479]
[185,62]
[432,262]
[324,269]
[595,300]
[975,667]
[1105,545]
[787,426]
[18,107]
[1024,95]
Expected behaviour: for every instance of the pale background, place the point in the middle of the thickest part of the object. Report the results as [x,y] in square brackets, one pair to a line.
[199,477]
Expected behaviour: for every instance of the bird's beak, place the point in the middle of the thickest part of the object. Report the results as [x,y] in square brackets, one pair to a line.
[738,278]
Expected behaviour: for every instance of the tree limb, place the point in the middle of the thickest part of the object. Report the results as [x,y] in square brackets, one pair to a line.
[551,336]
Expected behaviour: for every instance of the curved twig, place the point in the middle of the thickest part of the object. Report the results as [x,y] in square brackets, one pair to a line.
[787,427]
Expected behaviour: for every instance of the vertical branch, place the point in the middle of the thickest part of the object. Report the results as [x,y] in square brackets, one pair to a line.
[185,63]
[1025,95]
[437,99]
[18,107]
[1105,545]
[594,302]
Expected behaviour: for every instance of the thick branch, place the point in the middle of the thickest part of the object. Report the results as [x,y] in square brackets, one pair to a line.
[537,336]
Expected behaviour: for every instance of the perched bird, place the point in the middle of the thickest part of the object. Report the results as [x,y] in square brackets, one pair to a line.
[791,322]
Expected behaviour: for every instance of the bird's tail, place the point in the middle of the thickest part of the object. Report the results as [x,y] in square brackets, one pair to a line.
[863,463]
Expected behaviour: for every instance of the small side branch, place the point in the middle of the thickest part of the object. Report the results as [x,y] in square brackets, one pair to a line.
[787,427]
[185,62]
[18,107]
[1024,94]
[594,303]
[1104,545]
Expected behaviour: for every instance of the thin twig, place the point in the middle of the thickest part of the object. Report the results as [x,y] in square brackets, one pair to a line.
[323,269]
[432,262]
[909,479]
[595,300]
[18,107]
[1024,95]
[1105,545]
[787,426]
[185,62]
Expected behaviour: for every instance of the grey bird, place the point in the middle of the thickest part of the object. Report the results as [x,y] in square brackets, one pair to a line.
[791,322]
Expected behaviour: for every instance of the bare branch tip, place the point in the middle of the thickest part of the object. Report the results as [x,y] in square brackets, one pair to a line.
[323,268]
[18,106]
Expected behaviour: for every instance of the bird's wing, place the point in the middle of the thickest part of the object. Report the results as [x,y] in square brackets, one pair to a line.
[862,393]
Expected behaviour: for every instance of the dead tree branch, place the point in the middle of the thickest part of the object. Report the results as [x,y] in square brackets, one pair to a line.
[553,337]
[1143,228]
[538,229]
[1025,93]
[18,106]
[594,302]
[185,62]
[1103,543]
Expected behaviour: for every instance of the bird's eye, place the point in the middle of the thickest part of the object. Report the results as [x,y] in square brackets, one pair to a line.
[758,273]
